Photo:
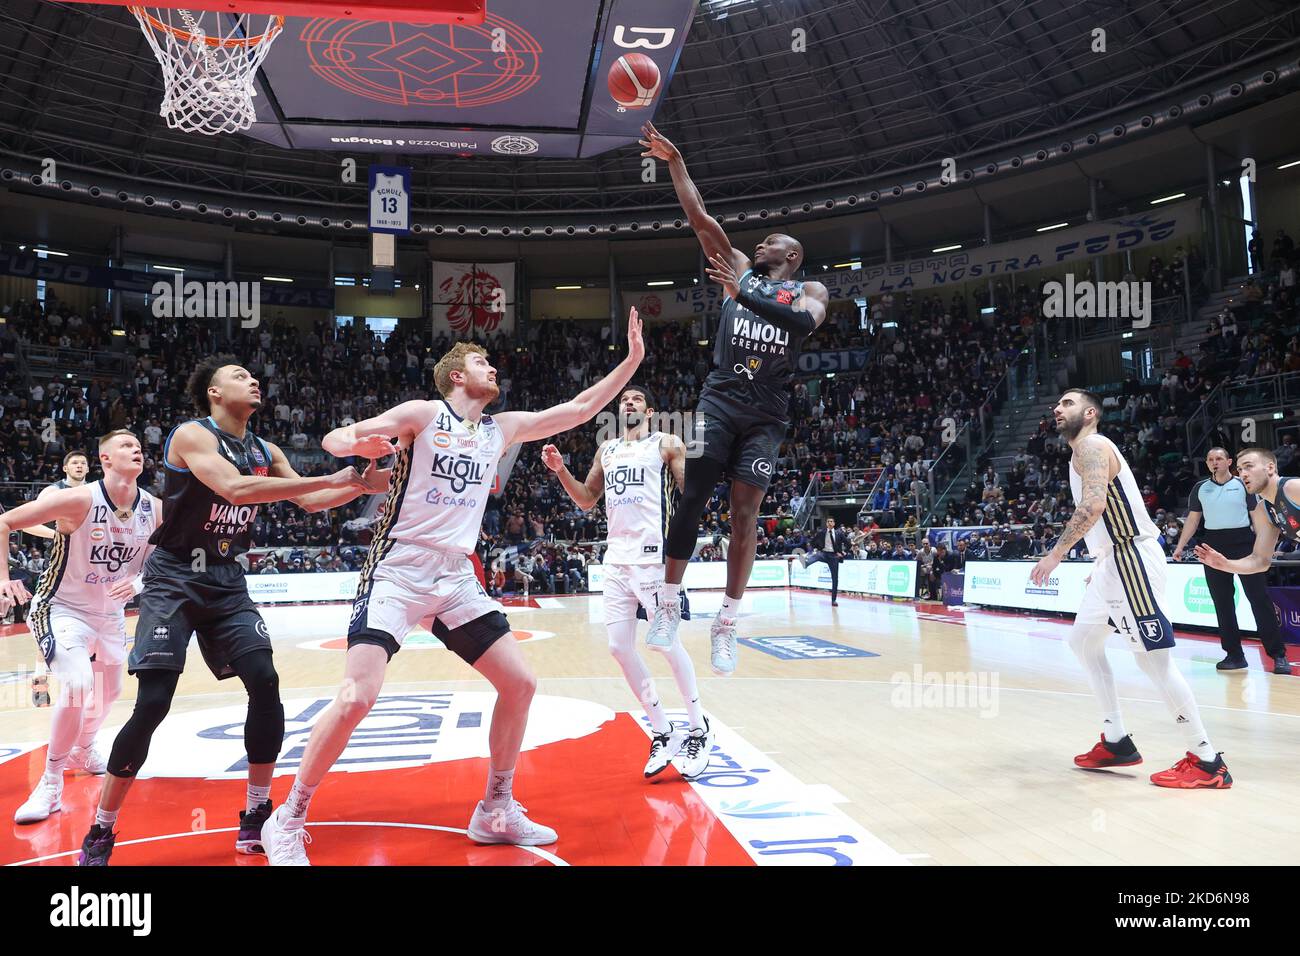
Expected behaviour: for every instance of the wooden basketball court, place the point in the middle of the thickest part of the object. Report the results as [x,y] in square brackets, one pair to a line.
[949,741]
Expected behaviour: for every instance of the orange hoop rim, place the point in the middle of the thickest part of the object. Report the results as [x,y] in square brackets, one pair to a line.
[277,23]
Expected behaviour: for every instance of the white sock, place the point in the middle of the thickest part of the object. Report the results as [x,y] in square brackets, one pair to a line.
[684,673]
[257,796]
[1112,728]
[500,789]
[670,593]
[1089,646]
[106,818]
[1173,687]
[54,765]
[622,644]
[298,802]
[730,608]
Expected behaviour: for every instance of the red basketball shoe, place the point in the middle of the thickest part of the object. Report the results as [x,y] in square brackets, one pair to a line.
[1122,753]
[1192,773]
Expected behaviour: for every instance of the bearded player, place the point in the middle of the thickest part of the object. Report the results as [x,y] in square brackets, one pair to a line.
[1124,593]
[743,411]
[418,565]
[636,473]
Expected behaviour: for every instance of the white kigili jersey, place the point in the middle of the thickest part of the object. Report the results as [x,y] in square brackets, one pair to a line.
[638,500]
[440,484]
[108,548]
[1125,518]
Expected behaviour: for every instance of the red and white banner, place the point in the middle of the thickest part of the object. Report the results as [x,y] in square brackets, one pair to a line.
[473,299]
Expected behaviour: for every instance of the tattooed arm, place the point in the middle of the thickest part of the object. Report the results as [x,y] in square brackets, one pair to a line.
[1095,463]
[1098,467]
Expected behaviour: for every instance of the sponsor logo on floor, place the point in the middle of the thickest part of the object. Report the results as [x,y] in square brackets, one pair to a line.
[803,647]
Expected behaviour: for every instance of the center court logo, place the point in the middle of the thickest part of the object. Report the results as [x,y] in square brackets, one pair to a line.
[401,731]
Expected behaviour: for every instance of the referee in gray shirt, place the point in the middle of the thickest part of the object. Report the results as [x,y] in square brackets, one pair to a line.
[1223,503]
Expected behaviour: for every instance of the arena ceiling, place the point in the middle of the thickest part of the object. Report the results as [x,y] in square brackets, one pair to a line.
[883,92]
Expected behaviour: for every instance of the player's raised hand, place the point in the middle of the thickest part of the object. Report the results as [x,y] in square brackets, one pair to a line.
[373,446]
[552,458]
[656,145]
[375,478]
[1207,555]
[724,274]
[635,341]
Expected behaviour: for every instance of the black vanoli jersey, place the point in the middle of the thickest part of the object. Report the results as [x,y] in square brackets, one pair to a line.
[1285,516]
[194,516]
[754,361]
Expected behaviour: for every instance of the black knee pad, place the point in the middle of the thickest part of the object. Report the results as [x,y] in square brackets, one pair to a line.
[152,703]
[264,727]
[702,476]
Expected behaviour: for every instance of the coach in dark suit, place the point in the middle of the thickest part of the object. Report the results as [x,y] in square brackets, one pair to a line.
[831,545]
[1223,504]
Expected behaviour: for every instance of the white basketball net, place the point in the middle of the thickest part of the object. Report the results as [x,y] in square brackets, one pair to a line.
[209,62]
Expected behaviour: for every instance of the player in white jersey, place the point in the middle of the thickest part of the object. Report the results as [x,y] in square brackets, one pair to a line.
[636,473]
[77,617]
[418,565]
[1124,594]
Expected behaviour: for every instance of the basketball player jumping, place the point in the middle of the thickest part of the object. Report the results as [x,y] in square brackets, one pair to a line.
[743,411]
[77,618]
[418,565]
[636,472]
[217,472]
[1125,593]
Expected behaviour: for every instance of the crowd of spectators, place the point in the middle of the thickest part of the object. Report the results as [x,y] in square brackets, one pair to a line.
[933,361]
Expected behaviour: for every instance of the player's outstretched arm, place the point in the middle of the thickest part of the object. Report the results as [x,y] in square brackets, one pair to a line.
[713,238]
[67,504]
[372,437]
[374,481]
[193,447]
[585,494]
[1261,556]
[532,426]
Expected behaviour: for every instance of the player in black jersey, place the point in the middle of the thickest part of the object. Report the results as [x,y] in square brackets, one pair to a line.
[1257,468]
[216,473]
[743,412]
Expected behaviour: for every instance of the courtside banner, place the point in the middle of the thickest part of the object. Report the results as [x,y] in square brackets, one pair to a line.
[1045,251]
[887,578]
[321,586]
[1007,584]
[703,575]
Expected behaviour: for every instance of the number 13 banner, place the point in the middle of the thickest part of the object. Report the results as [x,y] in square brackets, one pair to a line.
[390,199]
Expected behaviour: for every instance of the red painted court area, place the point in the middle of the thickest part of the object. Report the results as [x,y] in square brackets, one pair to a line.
[402,817]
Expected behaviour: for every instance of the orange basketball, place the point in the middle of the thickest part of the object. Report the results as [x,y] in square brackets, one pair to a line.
[634,80]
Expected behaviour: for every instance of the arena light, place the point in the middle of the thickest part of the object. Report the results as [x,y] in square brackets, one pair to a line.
[275,279]
[51,252]
[946,248]
[567,288]
[848,265]
[660,282]
[1294,162]
[1167,198]
[1059,225]
[702,342]
[119,331]
[168,268]
[1278,416]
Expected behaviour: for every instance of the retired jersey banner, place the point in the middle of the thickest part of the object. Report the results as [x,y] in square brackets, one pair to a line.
[473,298]
[1024,256]
[390,199]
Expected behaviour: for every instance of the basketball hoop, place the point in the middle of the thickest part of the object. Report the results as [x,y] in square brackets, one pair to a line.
[209,62]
